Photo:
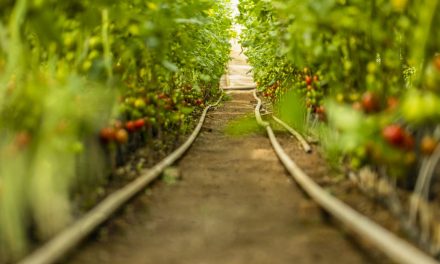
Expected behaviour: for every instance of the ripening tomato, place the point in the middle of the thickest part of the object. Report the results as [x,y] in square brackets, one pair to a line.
[370,102]
[130,126]
[357,106]
[121,136]
[139,103]
[320,109]
[408,142]
[437,62]
[117,124]
[410,158]
[22,139]
[199,101]
[428,145]
[107,134]
[392,103]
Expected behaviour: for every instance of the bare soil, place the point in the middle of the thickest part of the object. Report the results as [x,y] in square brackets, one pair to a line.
[234,204]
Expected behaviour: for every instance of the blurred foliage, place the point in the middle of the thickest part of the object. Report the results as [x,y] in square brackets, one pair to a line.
[353,45]
[291,108]
[368,70]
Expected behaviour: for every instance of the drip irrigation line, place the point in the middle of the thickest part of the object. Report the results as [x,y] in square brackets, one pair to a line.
[305,145]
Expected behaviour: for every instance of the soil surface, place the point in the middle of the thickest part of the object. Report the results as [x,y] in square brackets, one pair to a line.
[239,73]
[234,204]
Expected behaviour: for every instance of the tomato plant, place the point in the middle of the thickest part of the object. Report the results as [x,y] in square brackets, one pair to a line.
[367,69]
[80,77]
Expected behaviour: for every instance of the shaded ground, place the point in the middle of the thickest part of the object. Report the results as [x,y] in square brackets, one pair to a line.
[234,204]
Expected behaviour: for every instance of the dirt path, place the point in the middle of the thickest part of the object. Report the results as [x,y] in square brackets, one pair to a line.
[239,73]
[234,204]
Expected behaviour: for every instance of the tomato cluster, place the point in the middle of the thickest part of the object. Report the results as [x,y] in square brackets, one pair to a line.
[143,116]
[314,94]
[271,91]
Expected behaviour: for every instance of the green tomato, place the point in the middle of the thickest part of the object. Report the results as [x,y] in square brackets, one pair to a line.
[418,108]
[371,67]
[153,121]
[430,105]
[77,147]
[93,54]
[87,65]
[94,42]
[139,103]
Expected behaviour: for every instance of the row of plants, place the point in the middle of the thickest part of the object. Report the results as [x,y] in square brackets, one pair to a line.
[368,77]
[85,83]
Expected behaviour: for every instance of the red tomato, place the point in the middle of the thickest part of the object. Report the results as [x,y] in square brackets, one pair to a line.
[308,80]
[370,102]
[320,110]
[394,134]
[408,143]
[140,123]
[107,134]
[130,126]
[162,96]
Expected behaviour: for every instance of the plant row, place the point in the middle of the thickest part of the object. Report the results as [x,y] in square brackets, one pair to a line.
[85,83]
[365,76]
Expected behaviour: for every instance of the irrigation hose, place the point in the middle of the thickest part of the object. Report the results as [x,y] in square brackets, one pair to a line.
[395,248]
[68,239]
[305,145]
